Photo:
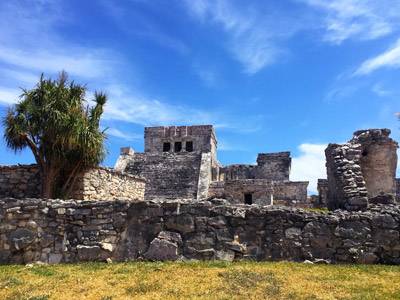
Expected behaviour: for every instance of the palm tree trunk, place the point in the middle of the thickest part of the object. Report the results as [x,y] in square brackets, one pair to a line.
[48,181]
[67,186]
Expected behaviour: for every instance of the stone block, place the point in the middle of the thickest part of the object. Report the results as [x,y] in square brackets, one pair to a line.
[22,238]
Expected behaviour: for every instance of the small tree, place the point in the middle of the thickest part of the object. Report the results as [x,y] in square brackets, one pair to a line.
[62,132]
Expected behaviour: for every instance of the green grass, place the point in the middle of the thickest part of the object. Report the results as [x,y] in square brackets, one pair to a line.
[199,280]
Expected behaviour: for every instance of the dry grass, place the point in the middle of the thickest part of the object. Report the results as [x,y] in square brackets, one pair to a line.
[199,280]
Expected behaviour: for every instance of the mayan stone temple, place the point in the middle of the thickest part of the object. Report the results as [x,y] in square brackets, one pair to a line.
[175,201]
[180,162]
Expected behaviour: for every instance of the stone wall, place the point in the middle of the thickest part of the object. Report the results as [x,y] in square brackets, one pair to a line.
[168,175]
[261,191]
[398,190]
[364,167]
[23,181]
[291,192]
[69,231]
[322,187]
[274,166]
[288,193]
[237,171]
[271,166]
[378,160]
[19,181]
[202,137]
[216,189]
[205,175]
[104,183]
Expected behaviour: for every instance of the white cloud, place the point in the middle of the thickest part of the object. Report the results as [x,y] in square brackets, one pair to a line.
[389,59]
[254,34]
[126,105]
[22,59]
[29,45]
[123,135]
[357,19]
[30,78]
[84,62]
[380,90]
[9,96]
[309,165]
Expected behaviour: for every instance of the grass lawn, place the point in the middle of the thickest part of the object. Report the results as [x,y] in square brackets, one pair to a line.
[199,280]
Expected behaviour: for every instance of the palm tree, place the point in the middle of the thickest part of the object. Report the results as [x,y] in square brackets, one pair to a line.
[53,121]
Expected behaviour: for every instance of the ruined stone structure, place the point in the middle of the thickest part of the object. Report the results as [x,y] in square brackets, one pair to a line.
[363,168]
[104,183]
[322,187]
[176,163]
[206,216]
[20,181]
[23,181]
[56,231]
[398,190]
[180,162]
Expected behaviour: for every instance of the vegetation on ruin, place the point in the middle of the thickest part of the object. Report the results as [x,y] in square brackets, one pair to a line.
[54,121]
[199,280]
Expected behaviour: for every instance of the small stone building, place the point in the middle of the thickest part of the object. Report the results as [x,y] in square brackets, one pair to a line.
[181,162]
[362,169]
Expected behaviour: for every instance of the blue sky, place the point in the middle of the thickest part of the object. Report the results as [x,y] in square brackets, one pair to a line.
[270,75]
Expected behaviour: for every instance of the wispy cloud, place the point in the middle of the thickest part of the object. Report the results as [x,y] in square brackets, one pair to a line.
[380,90]
[146,26]
[255,34]
[309,164]
[9,95]
[357,19]
[21,63]
[123,135]
[129,106]
[84,62]
[388,59]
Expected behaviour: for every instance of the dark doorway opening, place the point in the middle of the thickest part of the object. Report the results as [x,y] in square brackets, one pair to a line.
[166,147]
[178,146]
[189,146]
[248,198]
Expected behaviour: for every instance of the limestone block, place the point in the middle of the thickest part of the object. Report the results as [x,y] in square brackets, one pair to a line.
[91,253]
[161,249]
[22,238]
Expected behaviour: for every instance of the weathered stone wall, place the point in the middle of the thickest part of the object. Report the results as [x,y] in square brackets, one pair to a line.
[398,190]
[104,183]
[288,193]
[19,181]
[203,138]
[23,181]
[274,166]
[364,167]
[205,175]
[261,191]
[69,231]
[291,192]
[168,175]
[378,160]
[216,189]
[322,187]
[271,166]
[234,172]
[346,185]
